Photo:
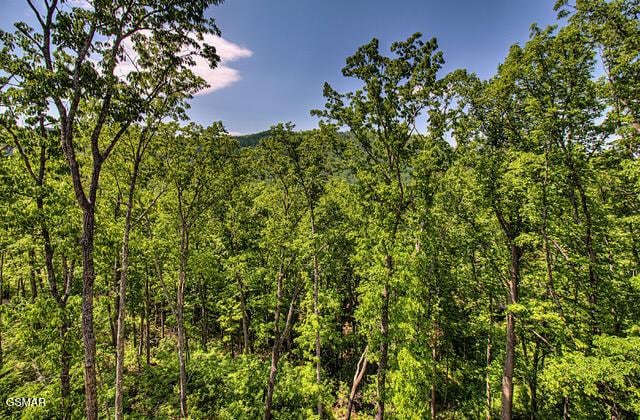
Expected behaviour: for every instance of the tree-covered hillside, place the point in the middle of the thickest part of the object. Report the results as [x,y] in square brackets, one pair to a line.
[484,267]
[251,140]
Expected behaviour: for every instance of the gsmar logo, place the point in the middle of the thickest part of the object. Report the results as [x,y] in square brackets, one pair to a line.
[26,401]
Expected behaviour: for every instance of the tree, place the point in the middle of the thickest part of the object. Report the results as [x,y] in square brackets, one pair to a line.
[191,162]
[69,70]
[308,165]
[382,119]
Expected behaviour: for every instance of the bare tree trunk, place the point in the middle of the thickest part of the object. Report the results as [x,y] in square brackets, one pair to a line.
[316,310]
[147,312]
[32,274]
[509,361]
[203,315]
[533,382]
[184,249]
[273,370]
[488,377]
[384,343]
[141,342]
[122,291]
[88,336]
[162,316]
[275,350]
[246,347]
[279,339]
[588,236]
[65,363]
[361,368]
[434,357]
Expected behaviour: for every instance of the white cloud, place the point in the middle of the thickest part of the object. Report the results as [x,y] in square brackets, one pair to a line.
[83,4]
[223,75]
[218,78]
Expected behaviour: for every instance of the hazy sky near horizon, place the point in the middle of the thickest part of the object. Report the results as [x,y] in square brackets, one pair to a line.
[277,54]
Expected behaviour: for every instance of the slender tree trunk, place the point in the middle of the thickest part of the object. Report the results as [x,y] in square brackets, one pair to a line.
[203,315]
[147,311]
[588,236]
[275,350]
[122,292]
[141,342]
[279,339]
[59,296]
[32,274]
[533,382]
[113,316]
[65,367]
[509,361]
[488,377]
[184,249]
[246,347]
[384,343]
[434,358]
[545,236]
[361,367]
[273,370]
[88,336]
[316,309]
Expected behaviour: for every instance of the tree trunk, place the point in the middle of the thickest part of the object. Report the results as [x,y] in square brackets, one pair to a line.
[533,382]
[88,336]
[181,339]
[545,236]
[434,358]
[32,274]
[273,370]
[184,250]
[316,310]
[246,347]
[361,367]
[384,343]
[279,339]
[203,315]
[141,342]
[147,311]
[275,350]
[65,367]
[488,377]
[588,237]
[122,292]
[509,361]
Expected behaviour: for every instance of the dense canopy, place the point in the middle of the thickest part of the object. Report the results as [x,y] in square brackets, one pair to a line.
[487,265]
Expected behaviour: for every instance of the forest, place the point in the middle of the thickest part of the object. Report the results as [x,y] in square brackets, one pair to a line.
[440,246]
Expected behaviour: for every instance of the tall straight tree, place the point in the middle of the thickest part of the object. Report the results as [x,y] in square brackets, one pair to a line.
[69,66]
[139,138]
[382,118]
[283,202]
[191,162]
[498,139]
[306,156]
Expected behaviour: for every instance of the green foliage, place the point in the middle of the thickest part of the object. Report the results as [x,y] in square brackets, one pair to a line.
[519,200]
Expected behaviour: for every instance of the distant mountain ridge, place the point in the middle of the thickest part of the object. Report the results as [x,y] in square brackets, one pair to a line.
[252,140]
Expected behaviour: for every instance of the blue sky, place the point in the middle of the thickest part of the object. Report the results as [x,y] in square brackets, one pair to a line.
[277,54]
